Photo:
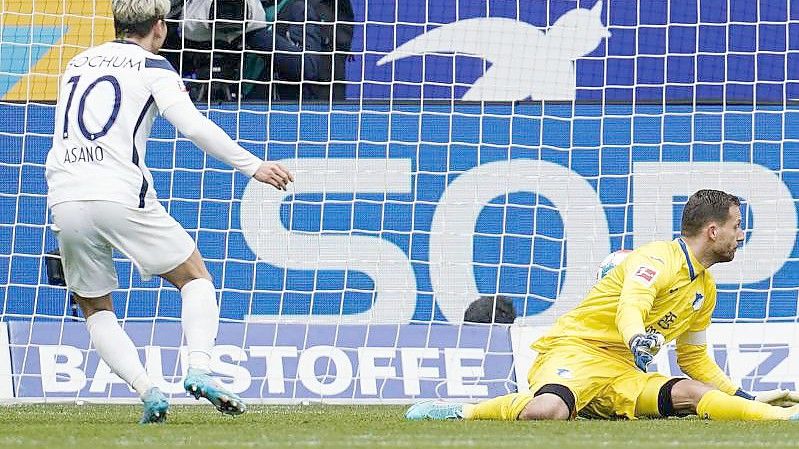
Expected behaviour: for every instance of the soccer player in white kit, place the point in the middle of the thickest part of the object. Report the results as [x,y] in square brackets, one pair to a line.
[101,196]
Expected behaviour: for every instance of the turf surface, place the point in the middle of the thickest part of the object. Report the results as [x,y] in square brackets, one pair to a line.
[196,427]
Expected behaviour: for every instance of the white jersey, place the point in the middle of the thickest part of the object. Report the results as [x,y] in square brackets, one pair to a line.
[108,98]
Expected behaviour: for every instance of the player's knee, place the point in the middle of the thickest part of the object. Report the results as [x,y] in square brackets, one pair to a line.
[90,306]
[685,395]
[193,268]
[551,402]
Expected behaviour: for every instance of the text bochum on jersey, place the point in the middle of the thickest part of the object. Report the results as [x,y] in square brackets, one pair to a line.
[108,99]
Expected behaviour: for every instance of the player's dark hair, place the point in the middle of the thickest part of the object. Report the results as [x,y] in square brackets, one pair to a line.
[139,29]
[706,206]
[491,309]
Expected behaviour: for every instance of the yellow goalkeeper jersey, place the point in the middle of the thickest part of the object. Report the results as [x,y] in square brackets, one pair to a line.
[660,286]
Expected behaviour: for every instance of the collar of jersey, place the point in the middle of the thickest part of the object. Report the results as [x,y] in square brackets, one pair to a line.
[694,266]
[125,41]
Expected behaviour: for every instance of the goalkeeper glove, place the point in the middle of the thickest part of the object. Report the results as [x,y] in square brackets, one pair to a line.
[778,398]
[644,348]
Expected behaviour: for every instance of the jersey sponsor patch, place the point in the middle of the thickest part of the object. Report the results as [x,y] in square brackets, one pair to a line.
[645,275]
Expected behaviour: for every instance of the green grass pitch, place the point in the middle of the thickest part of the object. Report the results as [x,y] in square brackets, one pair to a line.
[329,426]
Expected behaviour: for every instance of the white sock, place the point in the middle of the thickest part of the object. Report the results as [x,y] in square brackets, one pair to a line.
[117,350]
[200,319]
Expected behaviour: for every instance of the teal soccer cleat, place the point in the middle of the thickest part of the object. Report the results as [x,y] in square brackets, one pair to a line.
[155,407]
[201,385]
[435,410]
[793,413]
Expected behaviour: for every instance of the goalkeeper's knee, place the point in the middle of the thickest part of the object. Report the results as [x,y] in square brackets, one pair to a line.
[551,402]
[685,396]
[674,397]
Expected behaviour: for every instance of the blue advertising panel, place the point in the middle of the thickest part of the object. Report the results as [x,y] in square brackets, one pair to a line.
[654,50]
[274,362]
[407,214]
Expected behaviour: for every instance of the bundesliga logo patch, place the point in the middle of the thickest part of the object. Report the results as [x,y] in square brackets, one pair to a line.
[645,274]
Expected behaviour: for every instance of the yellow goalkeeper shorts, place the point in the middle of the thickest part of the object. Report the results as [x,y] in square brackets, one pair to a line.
[605,384]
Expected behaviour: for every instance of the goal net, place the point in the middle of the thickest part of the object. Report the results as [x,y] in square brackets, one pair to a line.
[443,151]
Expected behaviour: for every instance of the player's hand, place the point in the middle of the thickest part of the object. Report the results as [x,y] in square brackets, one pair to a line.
[779,398]
[274,174]
[644,348]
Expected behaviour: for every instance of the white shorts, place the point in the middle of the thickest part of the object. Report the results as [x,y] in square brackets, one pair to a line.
[88,231]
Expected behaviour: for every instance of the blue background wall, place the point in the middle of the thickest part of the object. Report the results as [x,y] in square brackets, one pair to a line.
[596,142]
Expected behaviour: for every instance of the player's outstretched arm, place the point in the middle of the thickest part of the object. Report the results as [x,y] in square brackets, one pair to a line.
[698,365]
[694,360]
[214,141]
[174,103]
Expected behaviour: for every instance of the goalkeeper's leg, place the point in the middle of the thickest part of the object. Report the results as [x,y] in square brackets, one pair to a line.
[547,404]
[551,402]
[694,397]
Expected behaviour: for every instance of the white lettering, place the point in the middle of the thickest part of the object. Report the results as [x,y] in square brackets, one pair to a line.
[771,233]
[452,250]
[275,374]
[412,369]
[103,378]
[456,372]
[306,370]
[369,372]
[63,376]
[383,261]
[240,376]
[154,366]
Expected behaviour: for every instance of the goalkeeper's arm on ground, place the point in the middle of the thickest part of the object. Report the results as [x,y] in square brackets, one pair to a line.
[694,360]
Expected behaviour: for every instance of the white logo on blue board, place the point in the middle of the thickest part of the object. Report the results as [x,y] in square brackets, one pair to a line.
[698,300]
[525,61]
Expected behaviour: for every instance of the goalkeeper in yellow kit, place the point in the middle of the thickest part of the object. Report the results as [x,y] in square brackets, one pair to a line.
[594,359]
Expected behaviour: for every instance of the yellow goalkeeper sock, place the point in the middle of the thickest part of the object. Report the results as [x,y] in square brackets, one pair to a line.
[718,405]
[502,408]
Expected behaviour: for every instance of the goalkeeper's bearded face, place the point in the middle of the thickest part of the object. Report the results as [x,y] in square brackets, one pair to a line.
[729,236]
